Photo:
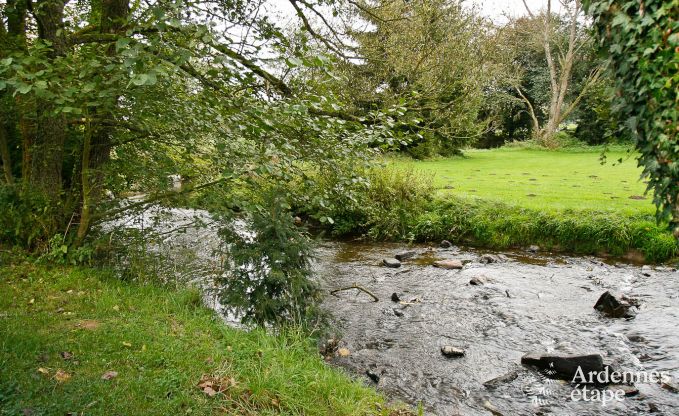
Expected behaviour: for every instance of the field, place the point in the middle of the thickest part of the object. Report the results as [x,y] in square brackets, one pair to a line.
[542,179]
[81,341]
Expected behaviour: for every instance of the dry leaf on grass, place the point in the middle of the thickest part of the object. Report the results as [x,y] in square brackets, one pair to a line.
[88,324]
[61,376]
[66,355]
[109,375]
[212,385]
[43,370]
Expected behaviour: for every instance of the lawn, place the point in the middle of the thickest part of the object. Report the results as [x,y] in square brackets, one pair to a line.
[80,341]
[542,179]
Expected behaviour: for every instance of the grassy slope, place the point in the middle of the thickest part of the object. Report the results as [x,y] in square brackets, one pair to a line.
[160,342]
[558,179]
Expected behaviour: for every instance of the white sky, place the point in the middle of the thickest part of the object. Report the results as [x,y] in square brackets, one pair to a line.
[497,10]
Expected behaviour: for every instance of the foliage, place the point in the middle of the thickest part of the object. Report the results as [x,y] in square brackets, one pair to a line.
[429,56]
[551,64]
[641,41]
[160,342]
[25,218]
[378,206]
[268,270]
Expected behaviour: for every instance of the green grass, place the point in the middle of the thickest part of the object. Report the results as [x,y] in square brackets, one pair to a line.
[161,342]
[541,179]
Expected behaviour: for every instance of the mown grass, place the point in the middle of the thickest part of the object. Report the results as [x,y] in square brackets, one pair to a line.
[541,179]
[63,328]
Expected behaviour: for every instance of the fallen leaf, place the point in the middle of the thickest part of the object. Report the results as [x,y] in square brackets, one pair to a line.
[109,375]
[66,355]
[61,376]
[212,385]
[43,370]
[209,391]
[143,347]
[88,324]
[116,308]
[32,301]
[343,352]
[127,344]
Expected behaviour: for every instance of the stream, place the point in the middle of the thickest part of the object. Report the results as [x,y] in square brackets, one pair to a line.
[528,302]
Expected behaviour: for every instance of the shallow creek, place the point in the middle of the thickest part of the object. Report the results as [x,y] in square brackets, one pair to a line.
[529,302]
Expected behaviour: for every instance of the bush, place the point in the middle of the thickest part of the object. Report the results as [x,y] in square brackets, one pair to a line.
[27,218]
[268,279]
[378,203]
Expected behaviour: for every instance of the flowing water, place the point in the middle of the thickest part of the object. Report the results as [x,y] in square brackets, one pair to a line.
[530,302]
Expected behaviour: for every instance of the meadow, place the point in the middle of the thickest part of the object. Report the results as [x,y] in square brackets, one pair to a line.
[541,179]
[82,341]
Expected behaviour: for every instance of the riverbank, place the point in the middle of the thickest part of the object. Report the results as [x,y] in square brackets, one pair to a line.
[79,340]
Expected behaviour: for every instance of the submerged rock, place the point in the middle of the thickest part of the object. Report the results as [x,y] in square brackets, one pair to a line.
[450,351]
[497,381]
[373,374]
[478,281]
[614,306]
[393,263]
[446,244]
[448,264]
[564,366]
[492,258]
[405,255]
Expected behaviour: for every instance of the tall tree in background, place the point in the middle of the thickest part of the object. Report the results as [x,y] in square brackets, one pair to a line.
[563,44]
[428,55]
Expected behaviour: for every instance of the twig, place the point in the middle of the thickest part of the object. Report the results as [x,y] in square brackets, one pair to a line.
[355,286]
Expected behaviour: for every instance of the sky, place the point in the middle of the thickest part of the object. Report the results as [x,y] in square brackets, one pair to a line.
[498,9]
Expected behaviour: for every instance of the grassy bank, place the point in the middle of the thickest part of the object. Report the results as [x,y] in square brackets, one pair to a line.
[560,200]
[64,331]
[541,179]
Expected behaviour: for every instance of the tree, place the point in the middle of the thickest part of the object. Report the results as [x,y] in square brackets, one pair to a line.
[429,56]
[641,43]
[561,45]
[114,96]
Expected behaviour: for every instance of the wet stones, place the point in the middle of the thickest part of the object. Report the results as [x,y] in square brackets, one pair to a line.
[564,366]
[452,352]
[492,258]
[503,379]
[448,264]
[533,249]
[615,306]
[373,374]
[405,255]
[445,244]
[392,263]
[478,281]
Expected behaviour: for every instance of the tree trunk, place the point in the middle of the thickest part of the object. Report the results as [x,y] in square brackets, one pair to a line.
[4,152]
[98,138]
[47,150]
